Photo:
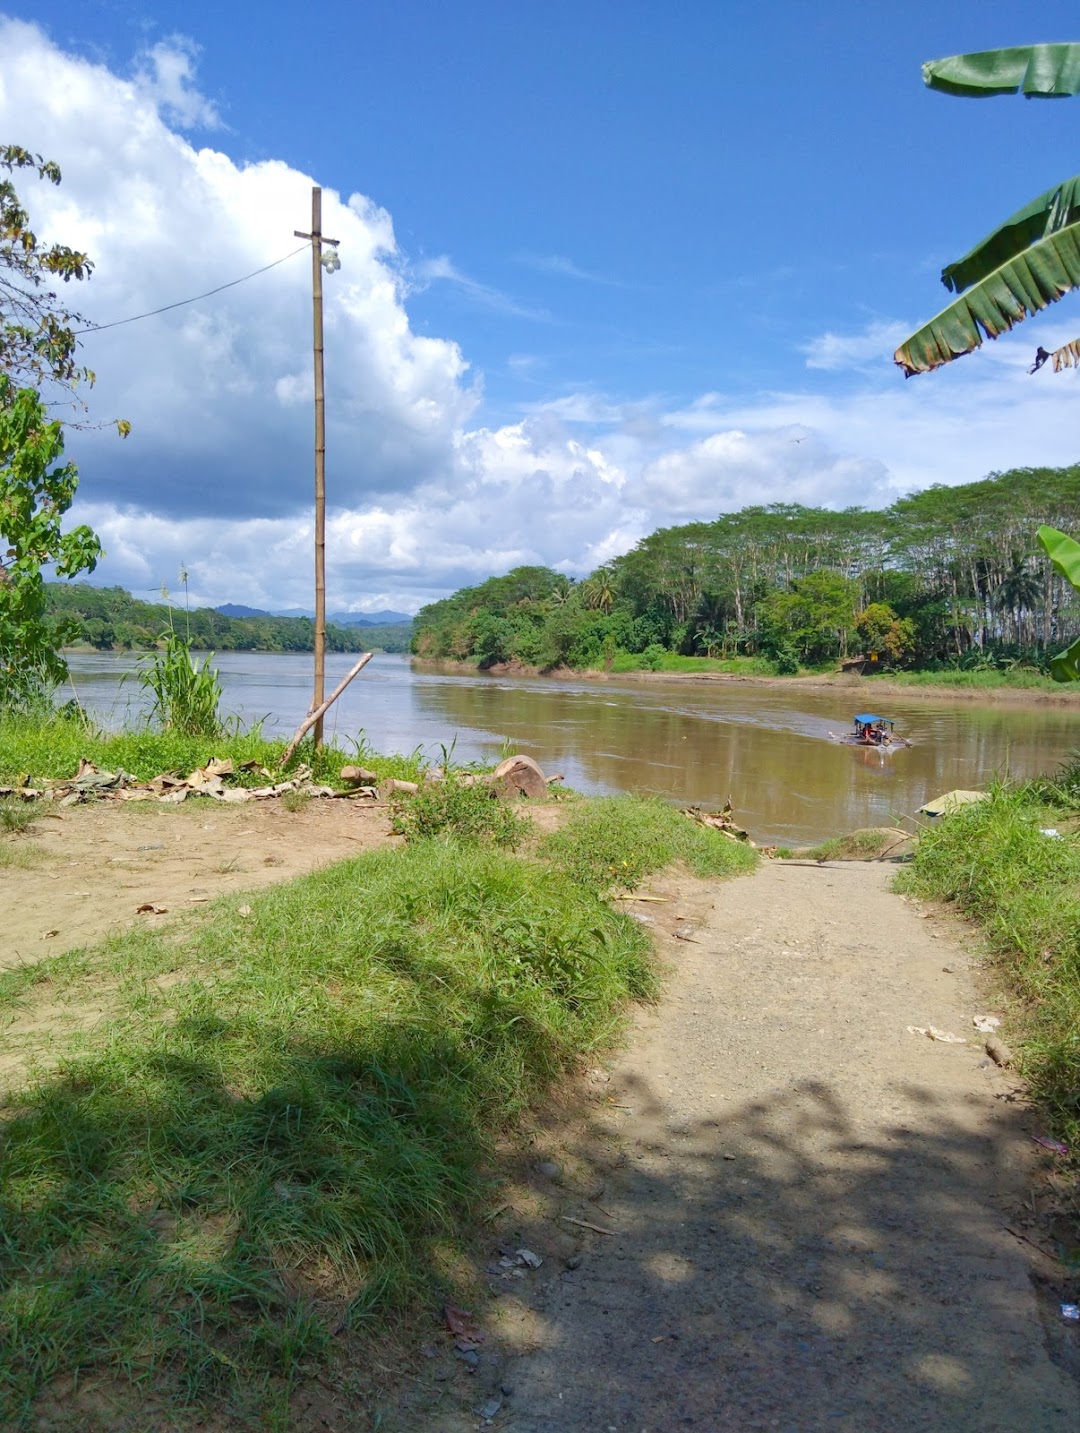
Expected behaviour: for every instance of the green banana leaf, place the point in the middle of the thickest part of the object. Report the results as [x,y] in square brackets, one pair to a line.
[1046,214]
[1048,71]
[1030,281]
[1064,553]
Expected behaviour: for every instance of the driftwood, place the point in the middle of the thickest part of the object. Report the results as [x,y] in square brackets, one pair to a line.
[321,710]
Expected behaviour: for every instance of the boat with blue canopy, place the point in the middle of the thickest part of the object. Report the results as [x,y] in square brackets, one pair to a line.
[869,729]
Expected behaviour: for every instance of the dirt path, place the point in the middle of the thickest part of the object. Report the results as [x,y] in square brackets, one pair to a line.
[72,881]
[808,1202]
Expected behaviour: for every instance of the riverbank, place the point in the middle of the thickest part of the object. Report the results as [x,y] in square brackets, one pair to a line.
[959,686]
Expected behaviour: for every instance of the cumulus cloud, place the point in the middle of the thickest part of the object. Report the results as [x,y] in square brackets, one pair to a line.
[166,75]
[424,493]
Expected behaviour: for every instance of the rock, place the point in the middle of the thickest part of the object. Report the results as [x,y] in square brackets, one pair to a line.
[574,1261]
[516,777]
[358,776]
[550,1169]
[998,1051]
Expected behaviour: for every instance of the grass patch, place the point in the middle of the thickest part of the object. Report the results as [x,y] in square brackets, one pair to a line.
[619,840]
[51,749]
[864,845]
[455,809]
[284,1125]
[992,860]
[1022,679]
[17,815]
[673,662]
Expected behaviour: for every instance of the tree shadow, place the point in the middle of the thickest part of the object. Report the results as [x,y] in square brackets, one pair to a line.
[798,1262]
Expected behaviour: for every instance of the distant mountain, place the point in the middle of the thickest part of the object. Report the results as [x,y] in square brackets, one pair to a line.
[368,619]
[236,609]
[339,619]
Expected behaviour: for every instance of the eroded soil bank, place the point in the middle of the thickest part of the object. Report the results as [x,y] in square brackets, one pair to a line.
[809,1208]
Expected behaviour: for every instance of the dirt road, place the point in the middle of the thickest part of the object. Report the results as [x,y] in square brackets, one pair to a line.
[807,1202]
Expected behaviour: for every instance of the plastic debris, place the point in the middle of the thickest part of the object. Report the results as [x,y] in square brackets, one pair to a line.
[986,1023]
[1053,1145]
[531,1260]
[1051,831]
[932,1033]
[490,1408]
[1071,1312]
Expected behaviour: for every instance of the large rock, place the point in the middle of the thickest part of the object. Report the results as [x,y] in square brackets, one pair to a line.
[516,777]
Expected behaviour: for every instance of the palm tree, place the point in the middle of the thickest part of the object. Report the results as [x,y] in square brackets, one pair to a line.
[598,591]
[1033,259]
[1019,592]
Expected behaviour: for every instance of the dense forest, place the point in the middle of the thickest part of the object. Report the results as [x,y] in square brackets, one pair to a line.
[950,576]
[110,618]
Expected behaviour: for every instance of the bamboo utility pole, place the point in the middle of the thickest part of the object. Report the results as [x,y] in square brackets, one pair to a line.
[317,262]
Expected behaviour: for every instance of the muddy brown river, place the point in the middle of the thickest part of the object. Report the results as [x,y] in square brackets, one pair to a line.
[767,748]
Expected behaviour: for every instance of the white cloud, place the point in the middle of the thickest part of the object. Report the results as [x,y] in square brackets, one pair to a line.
[423,495]
[873,347]
[166,75]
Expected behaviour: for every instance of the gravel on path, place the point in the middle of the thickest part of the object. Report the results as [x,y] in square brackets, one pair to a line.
[808,1202]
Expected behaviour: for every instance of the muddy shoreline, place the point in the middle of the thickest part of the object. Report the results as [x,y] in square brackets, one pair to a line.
[989,696]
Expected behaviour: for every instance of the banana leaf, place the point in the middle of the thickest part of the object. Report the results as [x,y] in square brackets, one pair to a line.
[1050,211]
[1047,71]
[1030,281]
[1064,552]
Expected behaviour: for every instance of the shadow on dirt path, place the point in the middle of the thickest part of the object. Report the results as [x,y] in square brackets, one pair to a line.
[808,1204]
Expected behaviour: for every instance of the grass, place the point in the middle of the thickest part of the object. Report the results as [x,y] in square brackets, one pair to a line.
[281,1127]
[454,809]
[855,846]
[674,662]
[617,841]
[993,862]
[1024,679]
[51,749]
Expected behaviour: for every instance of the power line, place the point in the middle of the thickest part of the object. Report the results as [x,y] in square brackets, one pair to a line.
[119,323]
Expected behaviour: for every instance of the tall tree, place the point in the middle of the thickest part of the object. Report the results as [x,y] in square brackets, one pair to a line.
[38,351]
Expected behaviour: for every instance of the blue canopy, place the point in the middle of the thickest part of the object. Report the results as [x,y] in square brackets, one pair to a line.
[868,719]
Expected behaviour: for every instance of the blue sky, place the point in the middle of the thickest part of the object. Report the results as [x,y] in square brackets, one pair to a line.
[609,260]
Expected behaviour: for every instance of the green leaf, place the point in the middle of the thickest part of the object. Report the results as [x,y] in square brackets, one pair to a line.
[1065,667]
[1063,551]
[1046,214]
[1024,285]
[1046,71]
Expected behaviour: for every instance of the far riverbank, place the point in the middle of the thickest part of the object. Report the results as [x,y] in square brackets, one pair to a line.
[927,684]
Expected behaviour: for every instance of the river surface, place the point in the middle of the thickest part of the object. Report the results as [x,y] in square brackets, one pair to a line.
[767,748]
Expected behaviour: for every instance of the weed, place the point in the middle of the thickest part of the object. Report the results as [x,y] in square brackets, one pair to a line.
[457,808]
[618,840]
[17,815]
[295,800]
[185,696]
[993,860]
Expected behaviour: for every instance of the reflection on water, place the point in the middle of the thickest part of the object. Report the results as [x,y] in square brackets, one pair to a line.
[766,748]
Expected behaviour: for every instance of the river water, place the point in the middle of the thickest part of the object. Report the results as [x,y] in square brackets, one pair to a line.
[767,748]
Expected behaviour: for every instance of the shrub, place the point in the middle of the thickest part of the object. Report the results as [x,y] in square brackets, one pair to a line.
[458,809]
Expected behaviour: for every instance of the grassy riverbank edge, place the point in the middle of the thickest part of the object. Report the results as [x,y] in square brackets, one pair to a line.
[1011,864]
[989,687]
[273,1139]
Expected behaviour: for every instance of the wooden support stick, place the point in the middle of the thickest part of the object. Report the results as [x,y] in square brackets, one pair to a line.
[320,711]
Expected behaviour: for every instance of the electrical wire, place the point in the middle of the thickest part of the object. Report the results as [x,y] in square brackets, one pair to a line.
[119,323]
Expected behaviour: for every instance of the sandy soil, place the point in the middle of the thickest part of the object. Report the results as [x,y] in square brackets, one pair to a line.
[87,873]
[807,1207]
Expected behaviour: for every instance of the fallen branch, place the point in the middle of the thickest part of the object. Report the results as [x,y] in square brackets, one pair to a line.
[310,720]
[584,1224]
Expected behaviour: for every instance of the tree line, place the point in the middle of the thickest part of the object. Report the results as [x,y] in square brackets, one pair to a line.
[949,576]
[110,619]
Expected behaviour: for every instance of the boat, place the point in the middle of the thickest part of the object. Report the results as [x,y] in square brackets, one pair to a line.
[875,731]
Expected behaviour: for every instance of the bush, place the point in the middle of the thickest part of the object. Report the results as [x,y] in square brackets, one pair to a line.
[460,810]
